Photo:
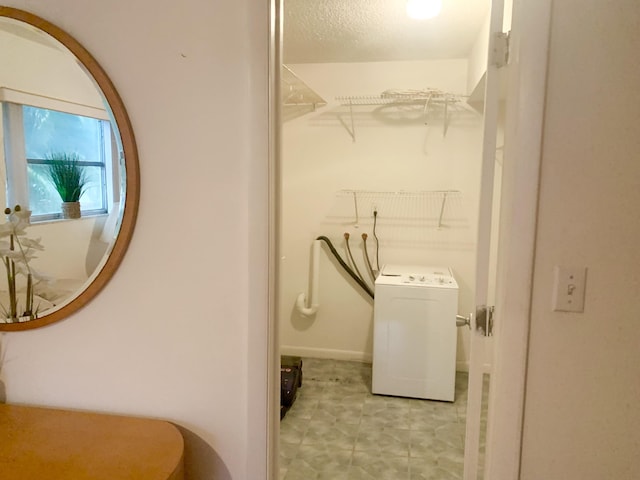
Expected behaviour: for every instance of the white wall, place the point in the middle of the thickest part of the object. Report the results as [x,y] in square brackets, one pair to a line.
[53,72]
[478,59]
[169,336]
[67,245]
[393,151]
[582,417]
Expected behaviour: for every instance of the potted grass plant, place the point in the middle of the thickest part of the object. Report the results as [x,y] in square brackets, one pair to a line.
[69,178]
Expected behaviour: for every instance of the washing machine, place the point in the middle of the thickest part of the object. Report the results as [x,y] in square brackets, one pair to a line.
[414,332]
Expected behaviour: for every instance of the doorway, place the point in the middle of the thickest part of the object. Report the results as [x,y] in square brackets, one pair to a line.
[324,125]
[387,145]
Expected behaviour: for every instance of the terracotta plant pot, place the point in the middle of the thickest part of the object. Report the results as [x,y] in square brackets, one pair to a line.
[70,209]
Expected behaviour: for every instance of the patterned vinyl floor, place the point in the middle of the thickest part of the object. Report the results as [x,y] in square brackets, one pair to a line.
[338,430]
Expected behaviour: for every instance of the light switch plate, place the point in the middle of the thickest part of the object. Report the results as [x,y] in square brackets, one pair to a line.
[569,288]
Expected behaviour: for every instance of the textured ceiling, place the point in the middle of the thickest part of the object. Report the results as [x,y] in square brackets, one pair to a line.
[322,31]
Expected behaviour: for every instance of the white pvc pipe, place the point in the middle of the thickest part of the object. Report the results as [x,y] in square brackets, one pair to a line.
[301,302]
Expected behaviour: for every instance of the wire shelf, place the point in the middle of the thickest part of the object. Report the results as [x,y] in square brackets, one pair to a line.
[427,99]
[434,219]
[425,208]
[297,97]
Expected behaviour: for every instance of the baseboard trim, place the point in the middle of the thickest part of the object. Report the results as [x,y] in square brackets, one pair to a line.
[349,355]
[353,356]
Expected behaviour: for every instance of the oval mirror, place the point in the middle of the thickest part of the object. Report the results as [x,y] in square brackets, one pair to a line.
[70,163]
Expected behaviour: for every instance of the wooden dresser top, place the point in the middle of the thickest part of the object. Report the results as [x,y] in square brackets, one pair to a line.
[51,444]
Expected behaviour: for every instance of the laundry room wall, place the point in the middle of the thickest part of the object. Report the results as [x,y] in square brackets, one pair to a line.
[394,150]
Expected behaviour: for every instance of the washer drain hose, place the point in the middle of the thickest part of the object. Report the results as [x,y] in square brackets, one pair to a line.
[346,267]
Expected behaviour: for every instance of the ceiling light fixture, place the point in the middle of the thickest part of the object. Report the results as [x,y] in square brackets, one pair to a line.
[423,9]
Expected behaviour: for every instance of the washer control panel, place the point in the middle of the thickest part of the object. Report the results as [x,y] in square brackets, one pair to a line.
[417,276]
[437,278]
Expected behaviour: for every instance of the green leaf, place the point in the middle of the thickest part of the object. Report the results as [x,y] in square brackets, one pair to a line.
[67,175]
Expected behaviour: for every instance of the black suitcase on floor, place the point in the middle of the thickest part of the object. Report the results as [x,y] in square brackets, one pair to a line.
[290,381]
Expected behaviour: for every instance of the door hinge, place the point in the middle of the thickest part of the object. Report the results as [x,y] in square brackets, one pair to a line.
[500,49]
[484,320]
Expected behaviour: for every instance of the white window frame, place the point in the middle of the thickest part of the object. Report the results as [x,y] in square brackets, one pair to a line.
[15,160]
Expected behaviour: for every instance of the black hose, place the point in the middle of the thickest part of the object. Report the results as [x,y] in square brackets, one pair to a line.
[364,286]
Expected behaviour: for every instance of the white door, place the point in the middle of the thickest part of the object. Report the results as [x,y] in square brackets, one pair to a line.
[479,330]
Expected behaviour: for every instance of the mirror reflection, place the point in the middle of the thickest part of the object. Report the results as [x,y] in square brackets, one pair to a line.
[64,167]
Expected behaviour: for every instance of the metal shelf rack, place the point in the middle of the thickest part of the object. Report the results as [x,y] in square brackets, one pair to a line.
[427,99]
[423,207]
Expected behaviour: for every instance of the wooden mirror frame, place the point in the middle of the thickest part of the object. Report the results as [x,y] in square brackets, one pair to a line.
[132,172]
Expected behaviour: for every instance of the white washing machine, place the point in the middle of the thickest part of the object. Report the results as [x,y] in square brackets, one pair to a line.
[414,332]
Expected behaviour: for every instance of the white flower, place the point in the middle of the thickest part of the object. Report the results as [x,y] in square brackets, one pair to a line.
[31,243]
[41,277]
[13,255]
[16,250]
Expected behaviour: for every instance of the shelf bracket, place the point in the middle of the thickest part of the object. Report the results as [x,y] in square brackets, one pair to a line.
[355,207]
[351,131]
[444,202]
[425,110]
[446,118]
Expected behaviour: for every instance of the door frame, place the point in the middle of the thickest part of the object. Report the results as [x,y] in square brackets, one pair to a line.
[518,213]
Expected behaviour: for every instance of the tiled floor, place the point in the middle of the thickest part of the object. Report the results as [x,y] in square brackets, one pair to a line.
[338,430]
